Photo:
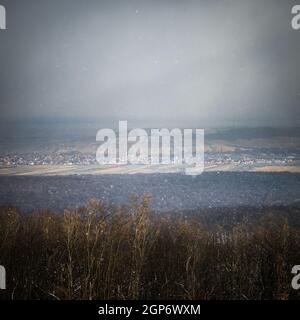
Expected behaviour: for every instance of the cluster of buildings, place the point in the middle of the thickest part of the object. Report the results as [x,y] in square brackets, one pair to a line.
[79,158]
[248,160]
[54,158]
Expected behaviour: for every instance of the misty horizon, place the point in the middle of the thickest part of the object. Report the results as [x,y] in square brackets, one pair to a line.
[155,64]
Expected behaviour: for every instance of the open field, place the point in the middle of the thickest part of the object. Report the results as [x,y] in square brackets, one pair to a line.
[278,169]
[63,170]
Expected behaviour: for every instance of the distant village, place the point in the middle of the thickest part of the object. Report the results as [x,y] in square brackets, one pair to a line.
[82,159]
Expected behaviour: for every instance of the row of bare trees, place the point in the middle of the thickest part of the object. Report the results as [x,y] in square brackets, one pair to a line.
[126,252]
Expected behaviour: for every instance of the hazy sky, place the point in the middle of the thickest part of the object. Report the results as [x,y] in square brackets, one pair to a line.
[163,62]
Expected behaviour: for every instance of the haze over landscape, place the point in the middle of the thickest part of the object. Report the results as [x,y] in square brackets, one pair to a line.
[71,68]
[154,63]
[74,228]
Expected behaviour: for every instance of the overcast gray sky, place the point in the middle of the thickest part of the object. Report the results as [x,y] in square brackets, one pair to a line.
[164,62]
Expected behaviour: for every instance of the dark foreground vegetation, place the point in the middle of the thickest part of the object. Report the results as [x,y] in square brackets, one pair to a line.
[126,252]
